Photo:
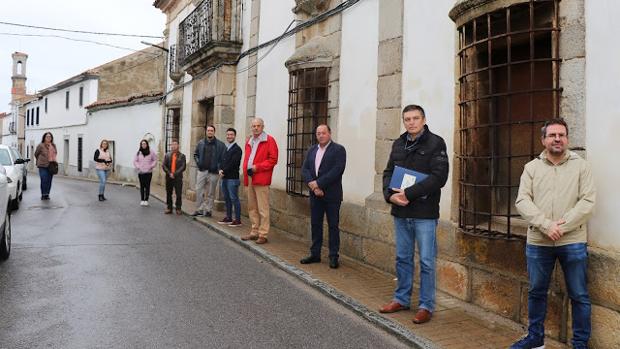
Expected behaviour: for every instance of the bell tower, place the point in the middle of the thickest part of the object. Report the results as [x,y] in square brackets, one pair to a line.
[19,76]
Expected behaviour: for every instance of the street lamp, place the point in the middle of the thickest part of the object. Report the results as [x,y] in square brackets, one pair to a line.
[150,44]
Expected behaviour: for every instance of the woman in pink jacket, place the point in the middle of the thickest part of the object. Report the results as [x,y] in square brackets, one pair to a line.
[144,161]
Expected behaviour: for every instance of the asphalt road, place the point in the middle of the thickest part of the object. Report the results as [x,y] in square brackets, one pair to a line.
[85,274]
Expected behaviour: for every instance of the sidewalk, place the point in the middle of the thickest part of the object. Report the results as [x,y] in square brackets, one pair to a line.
[363,289]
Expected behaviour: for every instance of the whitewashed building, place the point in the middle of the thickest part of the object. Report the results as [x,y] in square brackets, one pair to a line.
[118,101]
[488,73]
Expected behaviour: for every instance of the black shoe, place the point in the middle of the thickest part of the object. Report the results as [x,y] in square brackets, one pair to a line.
[333,263]
[310,259]
[208,214]
[197,213]
[101,197]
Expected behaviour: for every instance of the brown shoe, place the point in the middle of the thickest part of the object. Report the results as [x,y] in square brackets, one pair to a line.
[392,307]
[261,240]
[168,211]
[249,237]
[422,316]
[179,212]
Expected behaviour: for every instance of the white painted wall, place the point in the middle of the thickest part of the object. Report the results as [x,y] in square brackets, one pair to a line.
[603,118]
[125,126]
[356,127]
[186,108]
[57,115]
[7,137]
[242,78]
[428,71]
[273,78]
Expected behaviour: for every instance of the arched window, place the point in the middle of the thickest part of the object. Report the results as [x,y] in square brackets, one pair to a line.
[19,68]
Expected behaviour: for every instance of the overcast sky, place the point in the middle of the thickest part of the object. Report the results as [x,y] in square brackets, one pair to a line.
[51,60]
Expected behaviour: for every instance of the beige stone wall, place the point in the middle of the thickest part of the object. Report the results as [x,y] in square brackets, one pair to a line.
[140,72]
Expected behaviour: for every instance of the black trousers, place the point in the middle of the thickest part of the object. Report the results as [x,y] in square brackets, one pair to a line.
[145,185]
[177,185]
[318,209]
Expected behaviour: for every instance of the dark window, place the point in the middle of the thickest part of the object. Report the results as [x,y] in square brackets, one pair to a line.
[81,96]
[508,87]
[37,116]
[79,154]
[46,105]
[173,121]
[28,117]
[67,100]
[307,108]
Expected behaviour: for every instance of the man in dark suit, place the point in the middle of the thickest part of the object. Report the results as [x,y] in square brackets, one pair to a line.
[322,172]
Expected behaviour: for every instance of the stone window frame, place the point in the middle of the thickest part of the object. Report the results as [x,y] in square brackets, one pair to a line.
[307,108]
[480,173]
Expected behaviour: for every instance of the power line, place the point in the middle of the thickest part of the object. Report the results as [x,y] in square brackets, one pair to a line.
[71,39]
[80,31]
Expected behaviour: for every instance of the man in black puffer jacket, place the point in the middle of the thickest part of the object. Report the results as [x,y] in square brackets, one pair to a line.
[416,210]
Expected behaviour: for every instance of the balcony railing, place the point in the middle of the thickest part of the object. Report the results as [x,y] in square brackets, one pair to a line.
[212,29]
[12,129]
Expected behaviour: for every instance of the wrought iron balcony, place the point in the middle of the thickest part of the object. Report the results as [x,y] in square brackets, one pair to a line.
[209,35]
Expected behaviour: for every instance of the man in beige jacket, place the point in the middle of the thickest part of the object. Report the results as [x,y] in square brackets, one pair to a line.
[556,197]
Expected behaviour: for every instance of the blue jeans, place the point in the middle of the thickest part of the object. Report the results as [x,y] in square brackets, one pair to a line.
[408,232]
[230,190]
[103,176]
[540,262]
[46,180]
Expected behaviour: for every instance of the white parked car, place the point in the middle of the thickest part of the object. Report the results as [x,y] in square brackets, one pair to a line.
[5,216]
[14,167]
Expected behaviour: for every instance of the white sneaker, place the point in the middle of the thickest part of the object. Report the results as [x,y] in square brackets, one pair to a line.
[146,203]
[142,203]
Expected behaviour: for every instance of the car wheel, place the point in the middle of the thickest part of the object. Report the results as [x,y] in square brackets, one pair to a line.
[15,204]
[5,242]
[24,185]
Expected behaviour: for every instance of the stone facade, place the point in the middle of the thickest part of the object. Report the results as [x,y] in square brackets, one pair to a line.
[134,74]
[490,273]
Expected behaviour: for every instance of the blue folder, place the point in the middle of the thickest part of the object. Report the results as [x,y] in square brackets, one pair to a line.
[404,178]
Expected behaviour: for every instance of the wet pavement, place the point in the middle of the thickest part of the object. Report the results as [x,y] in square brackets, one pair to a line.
[113,274]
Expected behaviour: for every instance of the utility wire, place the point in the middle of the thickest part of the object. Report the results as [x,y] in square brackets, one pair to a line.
[72,39]
[80,31]
[243,70]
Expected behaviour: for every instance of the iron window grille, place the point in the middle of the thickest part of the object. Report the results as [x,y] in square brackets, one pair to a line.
[508,86]
[307,108]
[173,63]
[173,118]
[79,153]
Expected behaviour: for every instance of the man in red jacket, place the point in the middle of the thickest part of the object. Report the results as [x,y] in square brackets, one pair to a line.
[261,156]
